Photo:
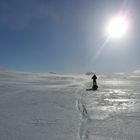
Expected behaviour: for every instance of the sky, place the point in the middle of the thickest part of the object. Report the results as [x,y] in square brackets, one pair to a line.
[67,36]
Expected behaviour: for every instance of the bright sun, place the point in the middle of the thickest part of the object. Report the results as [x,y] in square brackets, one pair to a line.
[117,27]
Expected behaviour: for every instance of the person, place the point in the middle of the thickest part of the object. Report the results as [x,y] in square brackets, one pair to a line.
[94,77]
[95,86]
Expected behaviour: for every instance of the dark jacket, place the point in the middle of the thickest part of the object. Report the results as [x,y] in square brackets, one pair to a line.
[94,77]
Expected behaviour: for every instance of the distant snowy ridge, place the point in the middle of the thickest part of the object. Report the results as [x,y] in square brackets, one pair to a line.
[137,72]
[47,79]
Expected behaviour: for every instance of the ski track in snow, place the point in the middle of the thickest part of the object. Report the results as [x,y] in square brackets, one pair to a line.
[42,106]
[38,106]
[106,114]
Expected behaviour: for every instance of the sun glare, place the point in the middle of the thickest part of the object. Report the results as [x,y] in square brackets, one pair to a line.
[118,27]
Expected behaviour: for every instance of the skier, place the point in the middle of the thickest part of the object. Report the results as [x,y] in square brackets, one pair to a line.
[95,86]
[94,77]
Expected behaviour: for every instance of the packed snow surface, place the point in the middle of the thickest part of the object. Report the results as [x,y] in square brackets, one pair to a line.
[40,106]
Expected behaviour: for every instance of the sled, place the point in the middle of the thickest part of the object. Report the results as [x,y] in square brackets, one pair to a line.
[95,87]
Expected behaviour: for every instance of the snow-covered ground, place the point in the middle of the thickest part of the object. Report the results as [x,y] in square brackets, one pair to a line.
[39,106]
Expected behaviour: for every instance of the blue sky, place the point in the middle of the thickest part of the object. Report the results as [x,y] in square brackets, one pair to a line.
[65,36]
